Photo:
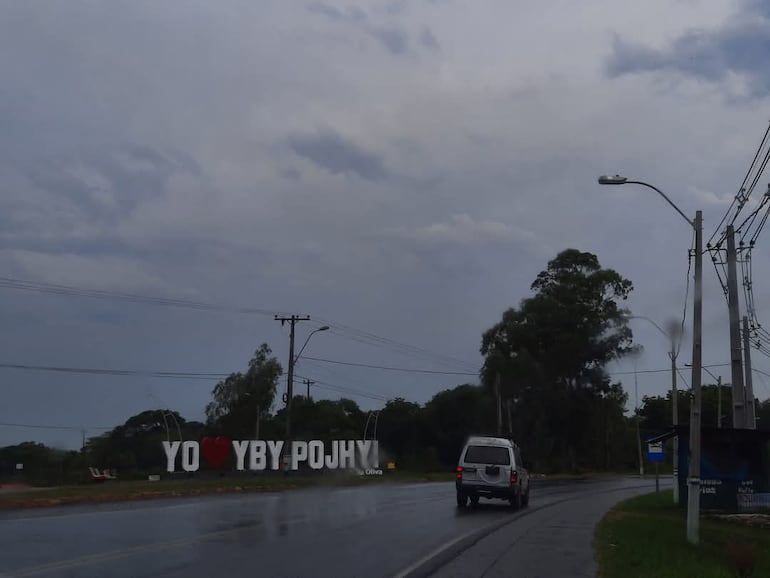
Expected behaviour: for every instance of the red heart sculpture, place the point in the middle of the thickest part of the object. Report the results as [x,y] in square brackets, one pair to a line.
[215,450]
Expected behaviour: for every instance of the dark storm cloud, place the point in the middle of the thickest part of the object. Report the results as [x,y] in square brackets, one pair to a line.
[339,155]
[741,46]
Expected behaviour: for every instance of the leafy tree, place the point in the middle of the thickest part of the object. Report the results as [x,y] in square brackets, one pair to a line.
[243,398]
[398,429]
[550,355]
[454,414]
[134,448]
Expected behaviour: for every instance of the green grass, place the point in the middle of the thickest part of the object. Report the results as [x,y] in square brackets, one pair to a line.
[117,491]
[644,537]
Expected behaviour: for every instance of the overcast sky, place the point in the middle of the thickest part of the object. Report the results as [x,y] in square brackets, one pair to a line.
[404,168]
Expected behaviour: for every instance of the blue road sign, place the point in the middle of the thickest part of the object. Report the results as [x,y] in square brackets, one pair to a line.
[655,452]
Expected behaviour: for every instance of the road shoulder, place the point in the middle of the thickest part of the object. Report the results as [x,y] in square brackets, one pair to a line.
[554,539]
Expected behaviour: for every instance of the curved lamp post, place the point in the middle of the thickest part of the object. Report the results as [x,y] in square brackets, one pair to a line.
[693,482]
[322,328]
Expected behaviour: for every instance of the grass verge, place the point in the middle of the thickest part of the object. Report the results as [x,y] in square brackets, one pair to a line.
[120,491]
[644,537]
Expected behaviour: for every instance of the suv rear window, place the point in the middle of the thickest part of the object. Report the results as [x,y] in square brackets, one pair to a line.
[493,455]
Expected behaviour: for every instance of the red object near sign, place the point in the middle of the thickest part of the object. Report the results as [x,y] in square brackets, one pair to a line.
[215,450]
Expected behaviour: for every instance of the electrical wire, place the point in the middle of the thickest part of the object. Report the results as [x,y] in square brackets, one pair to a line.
[369,338]
[744,192]
[71,291]
[344,389]
[339,329]
[667,370]
[389,368]
[54,427]
[117,372]
[686,295]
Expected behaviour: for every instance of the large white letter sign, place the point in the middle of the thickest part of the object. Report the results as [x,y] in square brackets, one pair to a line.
[298,454]
[240,454]
[190,456]
[171,449]
[347,452]
[315,450]
[275,453]
[375,454]
[364,446]
[258,460]
[333,461]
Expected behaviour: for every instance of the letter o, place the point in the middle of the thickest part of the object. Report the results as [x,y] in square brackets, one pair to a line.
[190,456]
[315,450]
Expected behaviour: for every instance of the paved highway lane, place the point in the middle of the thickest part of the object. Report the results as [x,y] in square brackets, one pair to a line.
[381,530]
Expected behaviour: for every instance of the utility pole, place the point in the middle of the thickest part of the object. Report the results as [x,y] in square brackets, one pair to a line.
[693,483]
[499,404]
[719,402]
[736,357]
[292,319]
[256,430]
[308,383]
[749,409]
[638,432]
[675,418]
[508,404]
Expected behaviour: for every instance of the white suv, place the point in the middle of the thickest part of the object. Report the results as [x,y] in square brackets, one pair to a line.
[491,467]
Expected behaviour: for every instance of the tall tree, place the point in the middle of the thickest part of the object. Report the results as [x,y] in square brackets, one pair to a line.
[551,353]
[242,399]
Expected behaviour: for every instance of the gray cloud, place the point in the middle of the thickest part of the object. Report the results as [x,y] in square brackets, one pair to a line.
[338,155]
[144,149]
[428,39]
[741,46]
[395,40]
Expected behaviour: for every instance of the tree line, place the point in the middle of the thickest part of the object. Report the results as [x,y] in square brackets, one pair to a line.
[544,382]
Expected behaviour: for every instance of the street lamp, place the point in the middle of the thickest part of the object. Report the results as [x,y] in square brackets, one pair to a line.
[322,328]
[673,354]
[693,481]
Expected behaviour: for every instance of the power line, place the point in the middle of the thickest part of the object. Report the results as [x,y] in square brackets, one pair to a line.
[343,389]
[686,295]
[55,427]
[666,370]
[71,291]
[118,372]
[339,329]
[389,368]
[374,339]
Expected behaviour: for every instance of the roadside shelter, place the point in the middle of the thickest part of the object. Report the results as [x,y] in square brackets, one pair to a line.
[735,467]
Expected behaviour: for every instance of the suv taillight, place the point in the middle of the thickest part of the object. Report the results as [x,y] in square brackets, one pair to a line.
[459,472]
[514,476]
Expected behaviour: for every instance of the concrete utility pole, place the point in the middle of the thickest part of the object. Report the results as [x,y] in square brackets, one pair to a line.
[693,487]
[292,319]
[693,493]
[750,410]
[736,357]
[638,432]
[499,404]
[675,418]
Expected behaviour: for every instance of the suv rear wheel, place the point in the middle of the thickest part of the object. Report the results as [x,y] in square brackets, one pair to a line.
[462,500]
[515,501]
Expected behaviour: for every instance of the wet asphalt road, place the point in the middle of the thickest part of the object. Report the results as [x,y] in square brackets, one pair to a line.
[377,531]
